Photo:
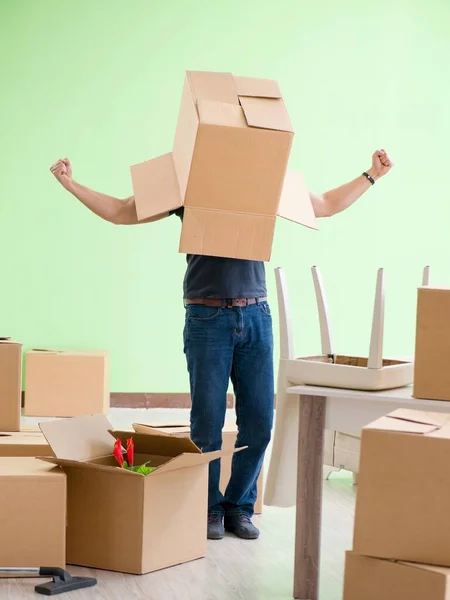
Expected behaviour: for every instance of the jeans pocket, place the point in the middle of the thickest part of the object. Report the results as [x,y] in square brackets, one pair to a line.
[265,309]
[199,312]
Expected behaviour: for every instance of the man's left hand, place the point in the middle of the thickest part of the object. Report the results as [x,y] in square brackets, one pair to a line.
[381,164]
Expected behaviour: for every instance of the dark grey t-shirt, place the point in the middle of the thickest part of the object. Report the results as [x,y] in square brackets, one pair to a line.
[214,277]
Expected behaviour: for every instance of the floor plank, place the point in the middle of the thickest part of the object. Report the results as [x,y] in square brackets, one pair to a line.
[233,569]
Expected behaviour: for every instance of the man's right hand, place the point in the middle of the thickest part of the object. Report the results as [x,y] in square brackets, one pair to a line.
[62,170]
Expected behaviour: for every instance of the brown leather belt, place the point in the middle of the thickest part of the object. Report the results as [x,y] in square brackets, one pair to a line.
[225,302]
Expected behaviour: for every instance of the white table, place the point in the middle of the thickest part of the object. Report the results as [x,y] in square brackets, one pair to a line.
[342,410]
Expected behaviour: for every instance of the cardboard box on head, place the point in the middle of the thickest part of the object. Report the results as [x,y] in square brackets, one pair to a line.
[228,168]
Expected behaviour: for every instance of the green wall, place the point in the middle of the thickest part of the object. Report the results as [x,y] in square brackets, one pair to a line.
[99,81]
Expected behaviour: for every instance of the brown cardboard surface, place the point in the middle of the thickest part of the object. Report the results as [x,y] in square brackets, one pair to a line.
[375,579]
[33,513]
[215,233]
[23,444]
[66,383]
[295,204]
[123,521]
[432,344]
[10,384]
[230,154]
[229,434]
[404,485]
[156,187]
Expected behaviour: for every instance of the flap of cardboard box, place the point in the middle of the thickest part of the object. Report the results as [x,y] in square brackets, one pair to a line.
[221,113]
[156,188]
[257,88]
[209,85]
[191,460]
[410,421]
[225,233]
[175,428]
[152,442]
[295,203]
[172,429]
[79,438]
[266,113]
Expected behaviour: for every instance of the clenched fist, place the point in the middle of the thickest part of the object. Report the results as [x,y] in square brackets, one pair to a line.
[62,170]
[381,164]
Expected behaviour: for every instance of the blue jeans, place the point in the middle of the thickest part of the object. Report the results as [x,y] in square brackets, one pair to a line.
[236,343]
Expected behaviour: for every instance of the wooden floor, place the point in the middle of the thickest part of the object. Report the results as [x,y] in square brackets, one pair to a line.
[233,569]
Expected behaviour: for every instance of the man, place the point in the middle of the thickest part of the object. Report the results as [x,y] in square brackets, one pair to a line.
[228,334]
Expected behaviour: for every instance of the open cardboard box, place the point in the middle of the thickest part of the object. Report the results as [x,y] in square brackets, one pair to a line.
[404,486]
[122,521]
[228,168]
[229,435]
[350,372]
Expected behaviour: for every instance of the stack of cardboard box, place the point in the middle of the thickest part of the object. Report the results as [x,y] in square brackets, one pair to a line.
[401,544]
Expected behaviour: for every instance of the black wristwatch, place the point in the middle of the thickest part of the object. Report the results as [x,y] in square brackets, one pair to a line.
[369,177]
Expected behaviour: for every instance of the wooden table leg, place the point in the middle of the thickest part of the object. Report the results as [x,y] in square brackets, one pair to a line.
[309,497]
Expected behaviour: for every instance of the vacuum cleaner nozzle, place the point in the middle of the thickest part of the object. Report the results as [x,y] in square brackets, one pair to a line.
[62,582]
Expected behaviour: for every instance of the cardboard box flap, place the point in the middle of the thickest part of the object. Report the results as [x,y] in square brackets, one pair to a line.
[208,85]
[257,88]
[295,203]
[192,460]
[75,464]
[419,416]
[266,113]
[150,441]
[156,429]
[407,421]
[221,113]
[79,438]
[156,188]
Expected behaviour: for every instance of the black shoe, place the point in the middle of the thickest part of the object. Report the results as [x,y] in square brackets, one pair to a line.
[241,525]
[215,526]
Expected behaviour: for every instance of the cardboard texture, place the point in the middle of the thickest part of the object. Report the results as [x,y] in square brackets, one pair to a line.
[432,345]
[228,168]
[66,384]
[33,513]
[404,485]
[375,579]
[123,521]
[10,384]
[229,435]
[24,444]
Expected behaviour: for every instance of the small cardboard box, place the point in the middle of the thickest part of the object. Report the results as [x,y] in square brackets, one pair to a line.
[122,521]
[10,384]
[432,345]
[24,444]
[33,513]
[229,435]
[228,168]
[376,579]
[402,504]
[66,384]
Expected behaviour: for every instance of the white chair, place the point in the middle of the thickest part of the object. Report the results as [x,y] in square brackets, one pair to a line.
[341,451]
